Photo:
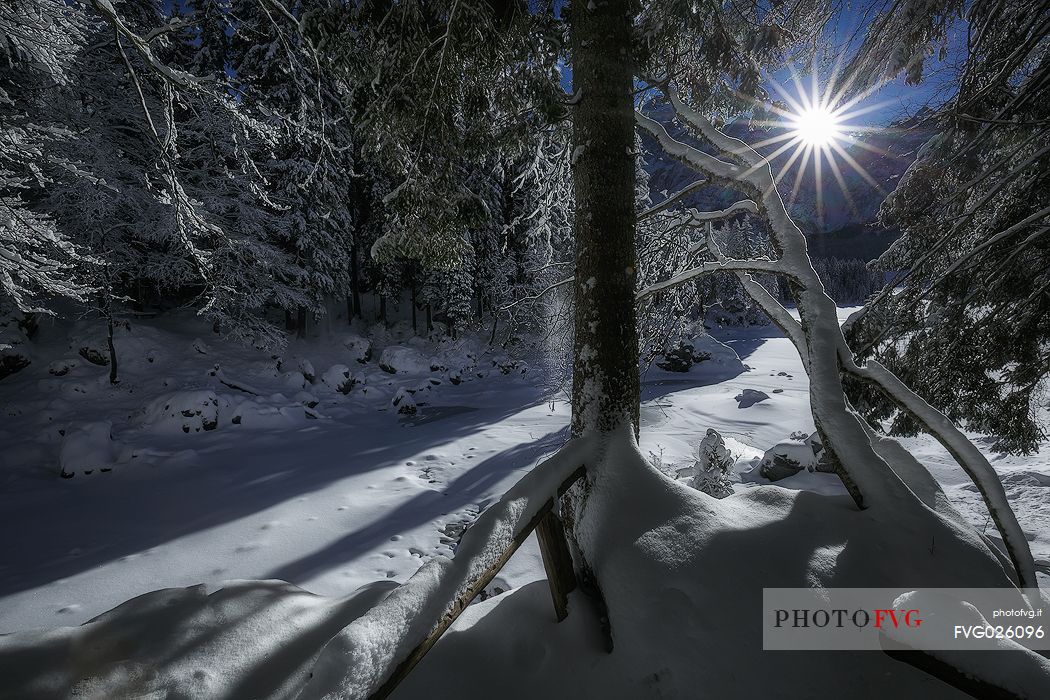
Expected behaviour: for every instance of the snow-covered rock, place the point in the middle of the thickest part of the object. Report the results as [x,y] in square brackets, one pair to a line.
[404,401]
[678,357]
[790,457]
[360,349]
[183,411]
[86,448]
[306,368]
[60,368]
[256,415]
[749,397]
[339,378]
[683,354]
[14,351]
[294,381]
[398,359]
[94,355]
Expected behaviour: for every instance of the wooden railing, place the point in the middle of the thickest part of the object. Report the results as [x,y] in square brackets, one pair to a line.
[557,562]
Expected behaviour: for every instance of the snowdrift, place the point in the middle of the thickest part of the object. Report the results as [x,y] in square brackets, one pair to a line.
[682,573]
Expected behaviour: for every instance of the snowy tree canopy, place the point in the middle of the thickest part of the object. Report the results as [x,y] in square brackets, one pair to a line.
[973,261]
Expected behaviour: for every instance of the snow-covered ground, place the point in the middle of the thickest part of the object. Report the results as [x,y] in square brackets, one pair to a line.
[291,479]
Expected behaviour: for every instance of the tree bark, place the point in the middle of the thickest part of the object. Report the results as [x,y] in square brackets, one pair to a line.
[605,388]
[414,329]
[354,302]
[112,352]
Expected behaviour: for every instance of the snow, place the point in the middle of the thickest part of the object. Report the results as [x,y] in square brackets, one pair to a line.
[684,602]
[86,448]
[183,411]
[1011,667]
[339,378]
[787,458]
[246,639]
[362,495]
[180,508]
[403,360]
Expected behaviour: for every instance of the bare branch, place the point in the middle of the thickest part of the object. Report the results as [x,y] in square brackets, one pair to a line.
[536,296]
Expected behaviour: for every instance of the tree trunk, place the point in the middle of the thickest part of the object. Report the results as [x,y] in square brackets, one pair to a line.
[430,319]
[605,353]
[112,352]
[414,329]
[382,309]
[605,390]
[301,323]
[353,306]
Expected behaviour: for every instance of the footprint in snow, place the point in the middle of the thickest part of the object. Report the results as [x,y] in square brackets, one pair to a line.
[452,531]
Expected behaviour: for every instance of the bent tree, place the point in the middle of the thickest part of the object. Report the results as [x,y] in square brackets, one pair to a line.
[819,339]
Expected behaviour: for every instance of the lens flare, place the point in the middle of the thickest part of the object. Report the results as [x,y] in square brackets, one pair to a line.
[816,126]
[812,130]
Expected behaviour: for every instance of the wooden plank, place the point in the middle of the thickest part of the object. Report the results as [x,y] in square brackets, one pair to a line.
[472,591]
[556,561]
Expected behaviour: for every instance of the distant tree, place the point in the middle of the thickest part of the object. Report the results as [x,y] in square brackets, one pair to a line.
[38,47]
[848,281]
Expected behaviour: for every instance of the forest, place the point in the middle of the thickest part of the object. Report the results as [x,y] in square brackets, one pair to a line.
[522,348]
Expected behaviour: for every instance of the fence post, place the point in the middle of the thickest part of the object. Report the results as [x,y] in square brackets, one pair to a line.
[556,561]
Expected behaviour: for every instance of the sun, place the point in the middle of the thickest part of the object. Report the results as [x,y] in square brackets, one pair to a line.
[813,130]
[816,126]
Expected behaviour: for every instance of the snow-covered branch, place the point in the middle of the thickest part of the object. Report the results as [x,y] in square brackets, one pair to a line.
[693,157]
[971,459]
[744,205]
[994,240]
[710,269]
[770,305]
[671,199]
[717,138]
[178,77]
